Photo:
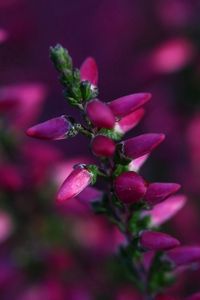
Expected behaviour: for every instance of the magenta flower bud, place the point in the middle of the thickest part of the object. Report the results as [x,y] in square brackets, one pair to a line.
[103,146]
[157,192]
[130,187]
[164,211]
[75,183]
[130,121]
[141,144]
[194,297]
[183,255]
[153,240]
[137,163]
[53,129]
[100,114]
[127,104]
[89,71]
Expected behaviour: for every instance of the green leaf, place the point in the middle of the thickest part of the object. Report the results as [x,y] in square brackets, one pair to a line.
[93,169]
[119,169]
[111,134]
[88,91]
[160,274]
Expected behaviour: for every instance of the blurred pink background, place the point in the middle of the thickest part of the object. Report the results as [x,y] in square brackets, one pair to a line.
[139,46]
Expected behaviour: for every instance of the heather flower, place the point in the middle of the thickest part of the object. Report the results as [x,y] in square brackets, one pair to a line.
[165,210]
[183,255]
[53,129]
[157,192]
[127,104]
[75,183]
[129,121]
[141,145]
[100,114]
[89,71]
[153,240]
[103,146]
[127,198]
[130,187]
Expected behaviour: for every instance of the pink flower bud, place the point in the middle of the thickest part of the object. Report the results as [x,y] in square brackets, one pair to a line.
[130,121]
[100,114]
[103,146]
[194,297]
[157,192]
[164,211]
[130,187]
[141,144]
[125,105]
[89,71]
[153,240]
[75,183]
[53,129]
[137,163]
[184,255]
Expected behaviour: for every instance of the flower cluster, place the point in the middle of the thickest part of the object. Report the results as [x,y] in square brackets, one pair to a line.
[134,204]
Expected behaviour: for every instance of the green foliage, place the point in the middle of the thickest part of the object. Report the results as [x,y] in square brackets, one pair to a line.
[111,133]
[119,169]
[160,274]
[93,169]
[138,223]
[75,91]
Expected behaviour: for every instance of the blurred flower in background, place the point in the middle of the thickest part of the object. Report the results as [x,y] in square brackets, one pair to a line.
[55,253]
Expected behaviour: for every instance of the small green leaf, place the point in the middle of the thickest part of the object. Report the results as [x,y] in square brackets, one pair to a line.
[119,169]
[93,169]
[111,134]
